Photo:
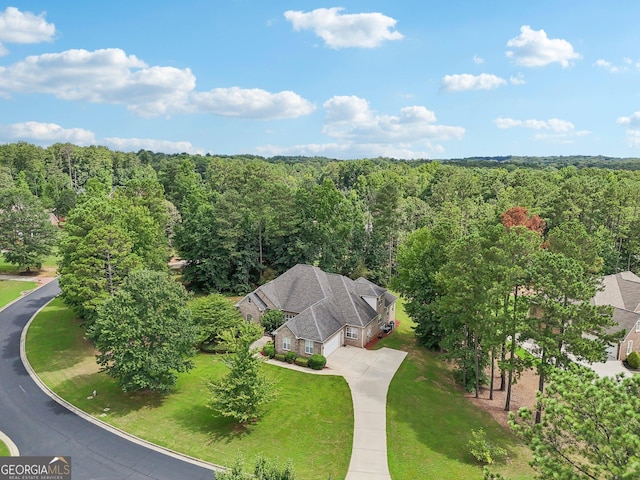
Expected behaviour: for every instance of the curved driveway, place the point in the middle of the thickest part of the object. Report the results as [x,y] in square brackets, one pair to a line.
[40,426]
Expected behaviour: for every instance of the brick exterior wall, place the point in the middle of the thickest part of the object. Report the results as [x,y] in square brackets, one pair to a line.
[632,336]
[247,307]
[297,345]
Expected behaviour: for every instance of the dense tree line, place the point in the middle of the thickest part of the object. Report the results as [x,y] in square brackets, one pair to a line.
[240,220]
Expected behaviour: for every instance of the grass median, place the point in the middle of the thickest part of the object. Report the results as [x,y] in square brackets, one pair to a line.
[310,422]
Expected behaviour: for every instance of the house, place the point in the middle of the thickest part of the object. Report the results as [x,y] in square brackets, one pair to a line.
[622,292]
[322,310]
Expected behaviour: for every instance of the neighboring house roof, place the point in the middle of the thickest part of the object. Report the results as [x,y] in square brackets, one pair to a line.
[622,292]
[324,302]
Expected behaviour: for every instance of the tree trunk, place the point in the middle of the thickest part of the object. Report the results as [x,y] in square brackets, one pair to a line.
[541,390]
[512,359]
[476,354]
[493,369]
[503,357]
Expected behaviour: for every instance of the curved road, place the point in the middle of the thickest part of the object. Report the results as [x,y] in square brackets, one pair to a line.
[40,426]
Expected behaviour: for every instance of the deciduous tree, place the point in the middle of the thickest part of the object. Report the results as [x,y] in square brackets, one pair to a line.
[144,333]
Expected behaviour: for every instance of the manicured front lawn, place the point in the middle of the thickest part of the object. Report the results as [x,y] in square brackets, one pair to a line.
[429,420]
[4,450]
[311,422]
[11,289]
[49,264]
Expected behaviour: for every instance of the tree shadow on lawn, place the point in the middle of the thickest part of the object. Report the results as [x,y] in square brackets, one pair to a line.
[425,400]
[218,429]
[79,389]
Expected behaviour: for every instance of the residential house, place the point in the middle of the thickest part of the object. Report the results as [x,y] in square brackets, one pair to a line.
[622,292]
[322,310]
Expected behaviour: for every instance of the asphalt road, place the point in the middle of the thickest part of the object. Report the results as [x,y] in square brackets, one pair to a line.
[38,425]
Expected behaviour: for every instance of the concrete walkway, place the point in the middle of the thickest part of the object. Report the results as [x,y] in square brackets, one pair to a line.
[368,374]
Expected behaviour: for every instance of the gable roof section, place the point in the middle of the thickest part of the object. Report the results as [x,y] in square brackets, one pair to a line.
[621,290]
[324,302]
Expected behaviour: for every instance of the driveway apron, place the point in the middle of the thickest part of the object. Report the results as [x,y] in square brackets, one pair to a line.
[368,373]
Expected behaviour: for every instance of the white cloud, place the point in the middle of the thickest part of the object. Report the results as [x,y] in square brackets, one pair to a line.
[364,30]
[340,150]
[477,60]
[610,67]
[164,146]
[46,133]
[517,80]
[553,124]
[507,122]
[23,27]
[359,132]
[251,103]
[49,133]
[111,76]
[632,123]
[350,120]
[553,129]
[532,48]
[466,81]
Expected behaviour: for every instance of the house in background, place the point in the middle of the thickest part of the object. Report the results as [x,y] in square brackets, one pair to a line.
[322,310]
[622,292]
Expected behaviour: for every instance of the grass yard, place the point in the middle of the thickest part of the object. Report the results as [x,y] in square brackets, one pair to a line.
[12,289]
[429,421]
[4,450]
[311,421]
[49,266]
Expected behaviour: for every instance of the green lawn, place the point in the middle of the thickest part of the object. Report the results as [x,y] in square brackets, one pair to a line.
[311,421]
[4,450]
[429,420]
[11,289]
[49,264]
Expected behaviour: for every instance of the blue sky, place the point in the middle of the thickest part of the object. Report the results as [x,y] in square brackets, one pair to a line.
[354,79]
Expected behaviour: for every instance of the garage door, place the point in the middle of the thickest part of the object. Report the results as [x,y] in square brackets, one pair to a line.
[332,344]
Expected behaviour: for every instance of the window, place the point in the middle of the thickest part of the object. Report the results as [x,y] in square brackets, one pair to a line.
[638,326]
[629,346]
[286,343]
[352,332]
[308,347]
[249,317]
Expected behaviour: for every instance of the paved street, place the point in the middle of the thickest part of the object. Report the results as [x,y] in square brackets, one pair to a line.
[38,425]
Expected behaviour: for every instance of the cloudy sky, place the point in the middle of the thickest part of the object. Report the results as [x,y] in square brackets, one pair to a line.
[354,79]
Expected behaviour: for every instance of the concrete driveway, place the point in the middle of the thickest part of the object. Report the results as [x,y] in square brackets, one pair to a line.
[368,373]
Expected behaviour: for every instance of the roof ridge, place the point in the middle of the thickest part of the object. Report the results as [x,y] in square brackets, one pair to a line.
[315,271]
[350,295]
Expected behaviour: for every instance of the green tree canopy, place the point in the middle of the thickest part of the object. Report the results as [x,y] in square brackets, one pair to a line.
[590,430]
[144,333]
[245,389]
[213,315]
[26,234]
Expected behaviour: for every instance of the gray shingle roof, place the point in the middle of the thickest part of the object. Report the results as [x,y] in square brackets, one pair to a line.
[324,302]
[622,292]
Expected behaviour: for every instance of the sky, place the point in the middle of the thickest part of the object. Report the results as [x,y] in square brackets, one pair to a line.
[355,79]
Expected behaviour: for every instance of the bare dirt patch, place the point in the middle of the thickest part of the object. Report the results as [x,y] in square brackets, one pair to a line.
[523,394]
